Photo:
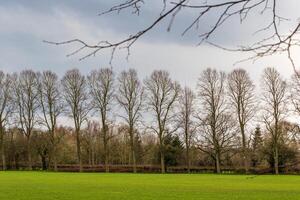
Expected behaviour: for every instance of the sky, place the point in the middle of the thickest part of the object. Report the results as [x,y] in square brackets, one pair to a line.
[24,24]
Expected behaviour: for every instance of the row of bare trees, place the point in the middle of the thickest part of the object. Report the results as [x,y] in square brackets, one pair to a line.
[217,119]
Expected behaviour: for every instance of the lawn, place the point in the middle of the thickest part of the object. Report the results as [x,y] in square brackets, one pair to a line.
[92,186]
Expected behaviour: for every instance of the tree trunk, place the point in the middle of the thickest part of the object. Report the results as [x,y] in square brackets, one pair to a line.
[134,162]
[3,150]
[78,150]
[105,143]
[162,162]
[132,150]
[162,155]
[93,156]
[54,159]
[106,156]
[245,153]
[3,159]
[106,163]
[276,160]
[29,154]
[188,161]
[246,163]
[44,162]
[17,161]
[218,168]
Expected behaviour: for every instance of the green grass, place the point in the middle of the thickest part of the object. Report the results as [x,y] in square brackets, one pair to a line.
[92,186]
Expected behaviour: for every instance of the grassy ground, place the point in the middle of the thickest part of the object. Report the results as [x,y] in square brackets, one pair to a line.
[84,186]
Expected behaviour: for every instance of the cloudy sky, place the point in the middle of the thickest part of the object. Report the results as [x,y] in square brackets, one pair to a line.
[24,24]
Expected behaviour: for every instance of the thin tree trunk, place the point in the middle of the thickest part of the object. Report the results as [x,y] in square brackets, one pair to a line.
[218,168]
[17,161]
[162,162]
[78,150]
[3,159]
[133,161]
[106,155]
[44,162]
[245,153]
[188,161]
[246,163]
[93,156]
[105,143]
[55,163]
[132,150]
[3,150]
[54,156]
[162,155]
[276,160]
[29,154]
[54,159]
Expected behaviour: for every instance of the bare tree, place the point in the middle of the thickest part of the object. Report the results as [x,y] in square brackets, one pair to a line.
[162,94]
[27,102]
[52,107]
[130,97]
[186,120]
[215,122]
[274,40]
[101,84]
[6,109]
[275,100]
[241,96]
[76,96]
[295,92]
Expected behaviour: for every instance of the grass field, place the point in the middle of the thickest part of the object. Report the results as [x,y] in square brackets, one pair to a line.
[85,186]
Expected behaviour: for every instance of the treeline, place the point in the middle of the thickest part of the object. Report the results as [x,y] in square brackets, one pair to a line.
[120,120]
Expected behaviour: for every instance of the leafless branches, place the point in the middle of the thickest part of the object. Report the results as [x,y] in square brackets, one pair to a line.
[134,4]
[27,102]
[123,44]
[275,101]
[101,85]
[216,124]
[52,106]
[295,92]
[185,118]
[6,109]
[76,96]
[161,95]
[241,97]
[277,42]
[130,97]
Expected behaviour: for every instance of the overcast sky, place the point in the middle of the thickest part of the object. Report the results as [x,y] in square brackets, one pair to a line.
[24,24]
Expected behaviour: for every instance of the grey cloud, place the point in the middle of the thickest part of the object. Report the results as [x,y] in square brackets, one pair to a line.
[21,42]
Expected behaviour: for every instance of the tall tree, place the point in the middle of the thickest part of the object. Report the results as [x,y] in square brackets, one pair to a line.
[241,96]
[215,122]
[275,99]
[27,101]
[162,94]
[76,96]
[101,84]
[186,120]
[51,104]
[6,109]
[130,97]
